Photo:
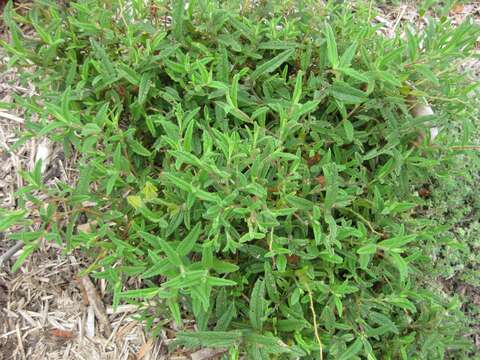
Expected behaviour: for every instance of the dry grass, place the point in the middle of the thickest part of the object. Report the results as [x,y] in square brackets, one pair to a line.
[44,311]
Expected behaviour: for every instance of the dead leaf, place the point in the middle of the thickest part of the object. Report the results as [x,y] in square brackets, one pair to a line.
[88,227]
[293,259]
[424,193]
[206,354]
[458,9]
[65,334]
[314,160]
[320,180]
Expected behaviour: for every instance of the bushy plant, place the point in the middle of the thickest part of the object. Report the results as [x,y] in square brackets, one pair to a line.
[257,166]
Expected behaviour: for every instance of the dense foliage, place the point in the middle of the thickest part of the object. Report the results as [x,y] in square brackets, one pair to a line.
[257,167]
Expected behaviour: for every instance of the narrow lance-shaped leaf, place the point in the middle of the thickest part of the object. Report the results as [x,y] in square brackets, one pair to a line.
[332,51]
[177,18]
[187,244]
[138,148]
[297,92]
[144,88]
[272,64]
[215,339]
[257,305]
[331,174]
[352,350]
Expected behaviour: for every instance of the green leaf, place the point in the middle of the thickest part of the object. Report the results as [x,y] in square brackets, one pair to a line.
[397,207]
[388,78]
[224,266]
[427,73]
[367,249]
[331,184]
[145,293]
[289,325]
[187,244]
[234,91]
[347,94]
[400,264]
[348,55]
[129,74]
[186,279]
[11,218]
[144,88]
[139,148]
[149,191]
[412,44]
[171,254]
[352,350]
[175,310]
[331,258]
[135,201]
[272,64]
[268,343]
[177,18]
[216,281]
[257,305]
[349,132]
[226,318]
[303,109]
[159,268]
[297,92]
[397,242]
[187,140]
[354,74]
[402,303]
[215,339]
[27,250]
[332,52]
[299,202]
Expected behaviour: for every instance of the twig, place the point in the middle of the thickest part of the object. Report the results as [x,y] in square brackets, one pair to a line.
[465,147]
[10,252]
[314,315]
[399,17]
[97,304]
[11,117]
[20,342]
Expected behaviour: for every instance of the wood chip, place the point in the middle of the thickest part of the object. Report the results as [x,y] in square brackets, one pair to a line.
[124,330]
[20,341]
[44,153]
[97,305]
[144,349]
[83,291]
[87,227]
[90,323]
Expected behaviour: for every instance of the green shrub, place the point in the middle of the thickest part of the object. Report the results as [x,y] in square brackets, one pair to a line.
[256,167]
